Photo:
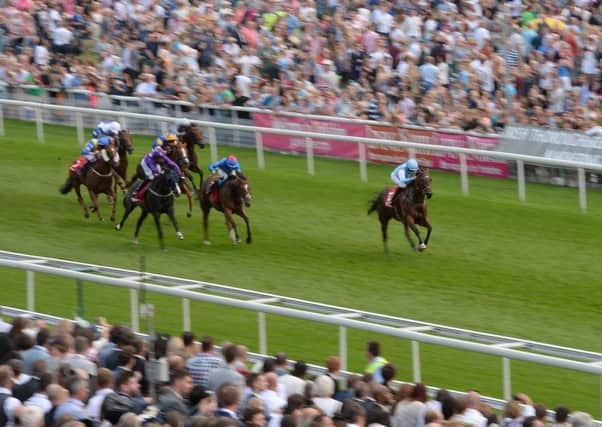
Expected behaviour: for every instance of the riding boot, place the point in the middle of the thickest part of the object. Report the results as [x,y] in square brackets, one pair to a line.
[84,168]
[138,197]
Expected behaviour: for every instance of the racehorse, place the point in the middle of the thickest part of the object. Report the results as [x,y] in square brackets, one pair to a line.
[98,179]
[191,137]
[124,147]
[231,198]
[409,208]
[158,199]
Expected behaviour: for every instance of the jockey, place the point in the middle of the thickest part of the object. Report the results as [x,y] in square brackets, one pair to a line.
[181,126]
[107,128]
[165,141]
[89,151]
[403,175]
[151,165]
[224,168]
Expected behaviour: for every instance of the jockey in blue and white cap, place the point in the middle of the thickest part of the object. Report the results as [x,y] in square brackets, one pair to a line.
[165,140]
[107,128]
[404,174]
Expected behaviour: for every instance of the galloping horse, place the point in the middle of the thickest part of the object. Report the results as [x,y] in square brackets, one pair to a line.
[191,137]
[179,155]
[98,179]
[124,147]
[409,208]
[158,199]
[230,199]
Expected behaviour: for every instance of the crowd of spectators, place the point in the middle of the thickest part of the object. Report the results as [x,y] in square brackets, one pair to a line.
[77,375]
[471,64]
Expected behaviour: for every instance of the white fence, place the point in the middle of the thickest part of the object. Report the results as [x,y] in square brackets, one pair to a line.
[39,110]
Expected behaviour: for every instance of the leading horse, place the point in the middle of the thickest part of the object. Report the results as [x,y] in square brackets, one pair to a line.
[98,179]
[409,208]
[231,198]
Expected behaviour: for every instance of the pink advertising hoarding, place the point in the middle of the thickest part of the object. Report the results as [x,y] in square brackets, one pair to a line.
[322,147]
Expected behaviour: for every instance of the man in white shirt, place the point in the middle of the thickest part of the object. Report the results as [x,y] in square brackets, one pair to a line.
[40,399]
[61,38]
[473,415]
[9,406]
[382,19]
[294,383]
[147,87]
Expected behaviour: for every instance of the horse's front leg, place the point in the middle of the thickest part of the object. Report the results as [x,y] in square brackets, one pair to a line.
[172,218]
[421,244]
[96,208]
[206,208]
[189,197]
[406,227]
[244,216]
[156,217]
[143,216]
[114,207]
[231,226]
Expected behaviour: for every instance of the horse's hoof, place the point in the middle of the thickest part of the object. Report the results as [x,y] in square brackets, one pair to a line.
[179,235]
[188,214]
[422,247]
[136,240]
[249,240]
[118,227]
[207,242]
[112,219]
[237,241]
[101,219]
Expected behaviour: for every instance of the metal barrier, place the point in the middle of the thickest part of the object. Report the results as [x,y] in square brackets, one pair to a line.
[71,116]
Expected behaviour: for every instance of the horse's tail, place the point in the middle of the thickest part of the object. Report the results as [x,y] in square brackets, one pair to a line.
[67,186]
[373,203]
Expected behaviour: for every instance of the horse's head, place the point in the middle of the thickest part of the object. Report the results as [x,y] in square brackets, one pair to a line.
[124,141]
[423,182]
[179,154]
[193,135]
[243,189]
[172,178]
[110,155]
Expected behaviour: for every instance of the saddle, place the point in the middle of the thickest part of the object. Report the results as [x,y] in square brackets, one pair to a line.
[389,202]
[77,164]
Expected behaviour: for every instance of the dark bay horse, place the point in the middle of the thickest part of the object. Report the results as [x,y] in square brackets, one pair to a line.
[409,208]
[158,199]
[192,136]
[231,198]
[124,147]
[98,179]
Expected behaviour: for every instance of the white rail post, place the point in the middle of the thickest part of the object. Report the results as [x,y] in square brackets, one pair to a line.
[185,314]
[507,378]
[309,148]
[464,173]
[416,373]
[134,310]
[39,124]
[1,120]
[363,163]
[236,131]
[212,144]
[263,343]
[582,189]
[412,153]
[124,122]
[31,291]
[520,174]
[259,148]
[79,125]
[343,347]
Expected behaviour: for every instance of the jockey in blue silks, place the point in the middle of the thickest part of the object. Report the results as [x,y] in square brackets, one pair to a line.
[403,175]
[89,151]
[225,168]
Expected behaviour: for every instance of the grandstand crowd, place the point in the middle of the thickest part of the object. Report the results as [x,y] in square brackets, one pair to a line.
[81,375]
[470,64]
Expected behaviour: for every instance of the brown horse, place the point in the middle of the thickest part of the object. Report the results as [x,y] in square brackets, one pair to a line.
[98,179]
[192,136]
[124,147]
[409,208]
[231,198]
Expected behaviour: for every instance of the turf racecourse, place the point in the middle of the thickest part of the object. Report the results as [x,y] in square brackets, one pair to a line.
[495,265]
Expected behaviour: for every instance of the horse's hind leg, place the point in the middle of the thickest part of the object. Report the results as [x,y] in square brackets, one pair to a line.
[114,207]
[80,199]
[189,197]
[172,218]
[384,224]
[128,210]
[139,224]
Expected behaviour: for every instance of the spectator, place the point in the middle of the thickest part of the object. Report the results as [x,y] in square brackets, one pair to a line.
[201,365]
[104,386]
[325,386]
[37,352]
[226,374]
[172,399]
[9,405]
[78,393]
[375,361]
[294,383]
[228,399]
